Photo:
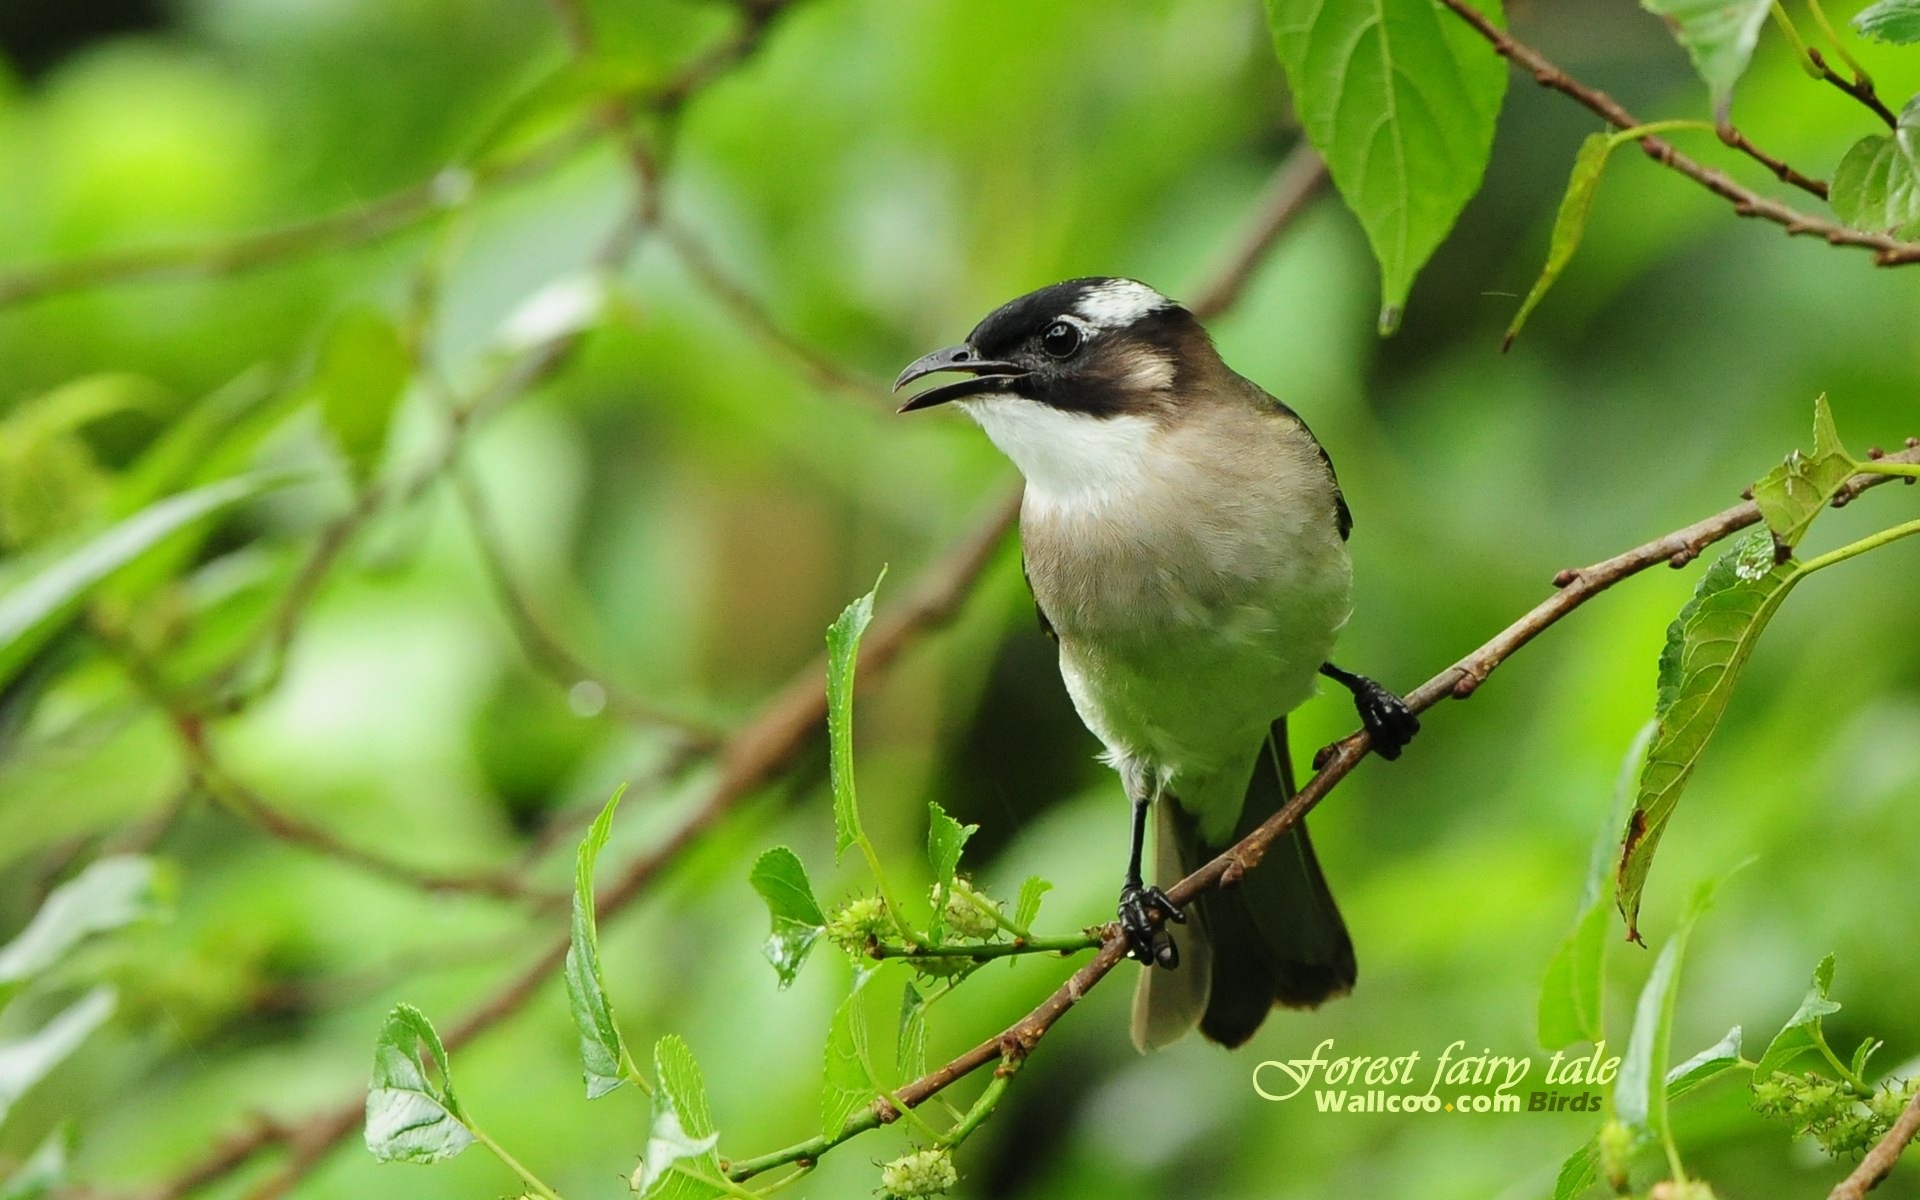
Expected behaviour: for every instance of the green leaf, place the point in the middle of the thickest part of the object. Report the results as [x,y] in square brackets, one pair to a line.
[1707,645]
[846,1085]
[362,373]
[110,893]
[781,880]
[30,610]
[43,1171]
[1792,494]
[945,839]
[26,1061]
[843,650]
[410,1118]
[910,1054]
[1708,1065]
[1400,98]
[1896,21]
[1802,1031]
[1027,906]
[1640,1093]
[607,1063]
[1719,36]
[1863,1055]
[1569,226]
[680,1162]
[1579,1172]
[1876,187]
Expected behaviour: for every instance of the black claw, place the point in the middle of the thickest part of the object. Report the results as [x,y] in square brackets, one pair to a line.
[1147,942]
[1388,720]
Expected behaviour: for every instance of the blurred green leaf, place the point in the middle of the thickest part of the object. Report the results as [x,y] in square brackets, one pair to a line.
[1896,21]
[1027,906]
[1792,494]
[1580,1171]
[110,893]
[1706,1066]
[1802,1030]
[781,880]
[846,1085]
[31,609]
[1719,36]
[945,838]
[26,1061]
[563,97]
[1569,225]
[361,375]
[210,439]
[1707,645]
[1400,98]
[843,651]
[602,1050]
[680,1162]
[910,1054]
[410,1118]
[1640,1091]
[1876,187]
[43,1171]
[50,482]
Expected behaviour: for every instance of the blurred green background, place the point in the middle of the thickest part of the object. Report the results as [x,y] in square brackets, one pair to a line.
[686,504]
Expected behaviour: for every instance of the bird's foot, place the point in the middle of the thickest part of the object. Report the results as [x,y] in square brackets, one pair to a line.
[1146,942]
[1388,720]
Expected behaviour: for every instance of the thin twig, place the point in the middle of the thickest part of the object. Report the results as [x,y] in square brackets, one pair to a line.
[1859,87]
[1295,182]
[1732,137]
[1879,1160]
[1888,251]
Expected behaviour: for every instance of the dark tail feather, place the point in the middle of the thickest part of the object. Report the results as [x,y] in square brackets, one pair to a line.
[1277,937]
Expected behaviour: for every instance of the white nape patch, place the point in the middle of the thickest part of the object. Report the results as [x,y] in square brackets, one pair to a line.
[1120,303]
[1070,459]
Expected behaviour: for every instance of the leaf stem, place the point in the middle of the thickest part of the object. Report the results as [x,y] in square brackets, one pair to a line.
[1860,75]
[1880,466]
[513,1164]
[1788,30]
[1865,544]
[983,1107]
[1654,128]
[907,932]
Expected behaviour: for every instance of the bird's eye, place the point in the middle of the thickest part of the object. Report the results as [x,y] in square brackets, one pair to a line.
[1060,339]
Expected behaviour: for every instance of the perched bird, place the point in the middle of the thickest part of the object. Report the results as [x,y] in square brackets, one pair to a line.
[1185,540]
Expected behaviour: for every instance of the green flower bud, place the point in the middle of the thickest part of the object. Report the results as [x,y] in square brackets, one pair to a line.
[964,912]
[1616,1154]
[863,919]
[922,1173]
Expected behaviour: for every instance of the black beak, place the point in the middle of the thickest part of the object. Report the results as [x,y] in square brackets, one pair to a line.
[991,376]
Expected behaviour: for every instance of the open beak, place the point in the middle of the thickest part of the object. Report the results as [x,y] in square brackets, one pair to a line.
[990,376]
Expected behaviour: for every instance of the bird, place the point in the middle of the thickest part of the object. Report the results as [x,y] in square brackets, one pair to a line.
[1185,539]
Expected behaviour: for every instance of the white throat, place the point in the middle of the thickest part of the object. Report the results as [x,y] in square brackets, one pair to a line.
[1071,460]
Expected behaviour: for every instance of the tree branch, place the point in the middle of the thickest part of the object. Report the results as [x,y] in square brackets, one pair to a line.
[1879,1160]
[1888,251]
[1295,183]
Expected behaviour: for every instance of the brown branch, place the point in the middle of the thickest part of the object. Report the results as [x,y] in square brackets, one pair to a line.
[1732,137]
[1859,87]
[1458,681]
[1295,183]
[1888,251]
[1879,1160]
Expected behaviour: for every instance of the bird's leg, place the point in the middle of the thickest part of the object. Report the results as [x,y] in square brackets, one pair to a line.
[1388,720]
[1138,899]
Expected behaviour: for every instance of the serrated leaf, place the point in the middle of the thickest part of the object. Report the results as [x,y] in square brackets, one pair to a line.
[781,879]
[843,651]
[1876,187]
[680,1162]
[846,1085]
[1400,98]
[1580,1171]
[910,1054]
[1027,906]
[1791,495]
[43,1171]
[1798,1035]
[33,607]
[410,1117]
[361,375]
[946,837]
[1719,36]
[110,893]
[1707,645]
[1896,21]
[602,1051]
[1706,1066]
[26,1061]
[1569,224]
[1640,1092]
